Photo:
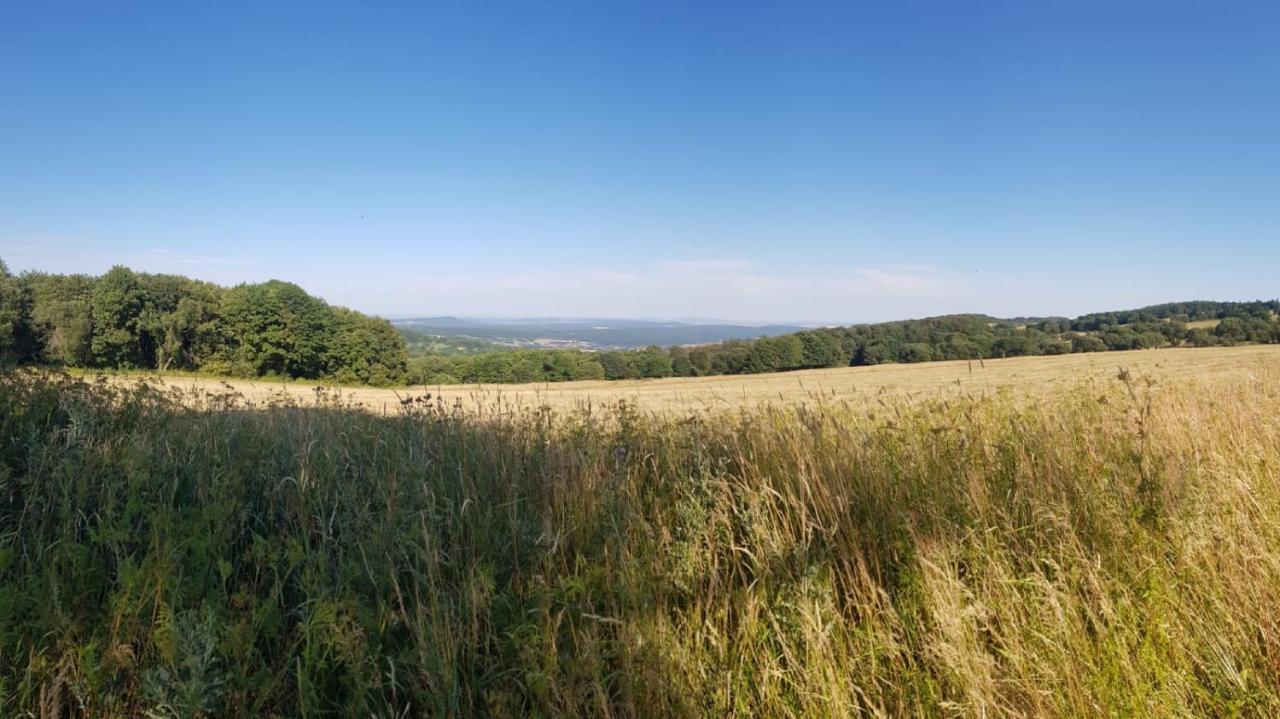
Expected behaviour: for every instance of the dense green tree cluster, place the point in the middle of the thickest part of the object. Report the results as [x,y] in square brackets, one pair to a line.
[1196,311]
[1163,325]
[954,337]
[131,320]
[796,351]
[1246,330]
[511,366]
[126,320]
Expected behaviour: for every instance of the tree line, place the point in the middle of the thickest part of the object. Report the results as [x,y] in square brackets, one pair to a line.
[132,320]
[955,337]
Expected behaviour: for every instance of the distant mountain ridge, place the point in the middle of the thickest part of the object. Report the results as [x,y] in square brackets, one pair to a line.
[454,335]
[584,333]
[947,337]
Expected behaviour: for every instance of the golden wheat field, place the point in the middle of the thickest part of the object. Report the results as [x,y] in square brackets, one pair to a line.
[1030,376]
[1082,536]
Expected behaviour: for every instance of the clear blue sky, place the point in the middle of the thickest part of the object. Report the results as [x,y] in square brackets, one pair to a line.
[781,161]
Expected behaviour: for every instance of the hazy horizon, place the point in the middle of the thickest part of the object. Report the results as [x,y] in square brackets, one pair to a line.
[871,314]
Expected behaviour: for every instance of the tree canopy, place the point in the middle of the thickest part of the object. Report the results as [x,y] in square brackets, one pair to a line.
[952,337]
[131,320]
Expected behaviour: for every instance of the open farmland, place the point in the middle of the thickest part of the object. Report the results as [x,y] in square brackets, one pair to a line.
[631,360]
[1111,548]
[1022,375]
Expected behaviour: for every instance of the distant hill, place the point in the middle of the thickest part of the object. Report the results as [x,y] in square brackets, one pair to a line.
[587,333]
[434,322]
[949,337]
[138,321]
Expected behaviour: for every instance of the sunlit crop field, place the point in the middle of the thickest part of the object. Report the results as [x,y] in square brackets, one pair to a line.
[1101,538]
[1027,376]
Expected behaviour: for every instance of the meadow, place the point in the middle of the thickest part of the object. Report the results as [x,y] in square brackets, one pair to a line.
[859,386]
[1060,537]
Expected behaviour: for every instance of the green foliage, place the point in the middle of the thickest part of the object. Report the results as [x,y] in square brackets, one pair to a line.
[773,354]
[955,337]
[618,365]
[822,349]
[180,321]
[1087,343]
[508,367]
[62,318]
[117,303]
[651,362]
[275,328]
[12,315]
[128,320]
[681,364]
[366,350]
[1177,311]
[188,679]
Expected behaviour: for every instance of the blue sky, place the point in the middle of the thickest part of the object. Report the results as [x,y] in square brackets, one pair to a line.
[776,161]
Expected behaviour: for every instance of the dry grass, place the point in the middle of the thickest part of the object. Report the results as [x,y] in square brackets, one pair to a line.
[854,385]
[1203,324]
[1090,543]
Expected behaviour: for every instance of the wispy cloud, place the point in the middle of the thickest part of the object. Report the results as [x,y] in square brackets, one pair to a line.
[560,280]
[56,253]
[723,274]
[743,276]
[702,267]
[161,256]
[918,281]
[724,287]
[728,288]
[71,255]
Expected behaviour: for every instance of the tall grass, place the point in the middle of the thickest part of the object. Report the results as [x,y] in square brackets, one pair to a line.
[1112,550]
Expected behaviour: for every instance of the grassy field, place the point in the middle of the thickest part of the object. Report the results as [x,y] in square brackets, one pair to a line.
[912,547]
[1203,324]
[854,385]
